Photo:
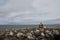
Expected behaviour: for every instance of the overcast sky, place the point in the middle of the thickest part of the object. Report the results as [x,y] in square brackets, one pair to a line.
[28,11]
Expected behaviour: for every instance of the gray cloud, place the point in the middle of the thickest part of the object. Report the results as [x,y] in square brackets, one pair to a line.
[29,11]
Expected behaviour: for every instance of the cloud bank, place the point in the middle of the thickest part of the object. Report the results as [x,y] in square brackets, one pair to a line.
[28,11]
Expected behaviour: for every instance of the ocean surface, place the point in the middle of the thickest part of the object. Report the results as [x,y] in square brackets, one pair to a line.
[17,26]
[27,26]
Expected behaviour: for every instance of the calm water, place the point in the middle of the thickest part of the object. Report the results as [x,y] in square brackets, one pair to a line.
[25,26]
[16,26]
